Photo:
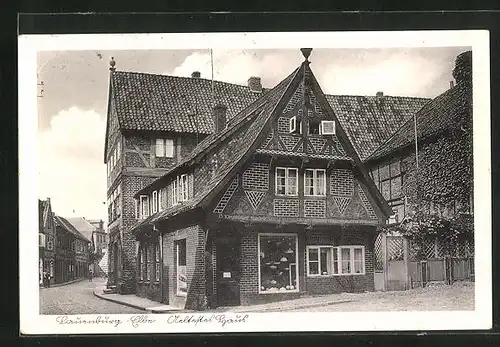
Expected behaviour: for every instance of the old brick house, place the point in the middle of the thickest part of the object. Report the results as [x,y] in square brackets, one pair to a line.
[46,239]
[72,252]
[274,204]
[153,121]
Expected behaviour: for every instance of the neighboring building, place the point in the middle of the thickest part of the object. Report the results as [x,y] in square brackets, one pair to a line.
[46,240]
[92,231]
[73,249]
[275,204]
[443,183]
[100,242]
[154,121]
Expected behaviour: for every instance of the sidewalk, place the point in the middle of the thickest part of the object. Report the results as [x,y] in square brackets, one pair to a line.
[136,302]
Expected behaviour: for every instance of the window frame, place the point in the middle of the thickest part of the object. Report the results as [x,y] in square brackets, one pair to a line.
[338,250]
[392,201]
[161,148]
[287,176]
[183,188]
[316,121]
[154,202]
[297,259]
[157,261]
[142,215]
[177,244]
[314,180]
[321,127]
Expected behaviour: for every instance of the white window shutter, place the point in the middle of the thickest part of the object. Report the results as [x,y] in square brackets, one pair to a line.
[293,124]
[328,127]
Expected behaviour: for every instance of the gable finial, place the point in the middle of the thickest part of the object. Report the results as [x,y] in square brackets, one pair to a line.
[112,64]
[306,52]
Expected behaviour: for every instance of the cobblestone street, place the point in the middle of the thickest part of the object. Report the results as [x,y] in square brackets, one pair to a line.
[78,298]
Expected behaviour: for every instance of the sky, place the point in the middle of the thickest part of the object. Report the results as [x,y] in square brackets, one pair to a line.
[73,103]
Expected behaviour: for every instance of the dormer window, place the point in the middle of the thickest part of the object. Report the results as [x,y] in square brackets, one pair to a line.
[314,127]
[165,148]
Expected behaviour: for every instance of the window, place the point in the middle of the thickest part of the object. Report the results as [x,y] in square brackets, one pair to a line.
[143,206]
[155,201]
[329,260]
[161,199]
[165,148]
[389,180]
[315,182]
[175,197]
[183,188]
[41,240]
[286,181]
[149,260]
[142,261]
[314,127]
[320,261]
[278,257]
[180,189]
[180,251]
[114,205]
[293,127]
[157,262]
[50,243]
[327,127]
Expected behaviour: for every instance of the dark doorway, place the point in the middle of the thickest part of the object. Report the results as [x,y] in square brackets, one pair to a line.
[228,269]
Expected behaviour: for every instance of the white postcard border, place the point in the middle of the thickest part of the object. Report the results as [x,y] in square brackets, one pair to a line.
[33,323]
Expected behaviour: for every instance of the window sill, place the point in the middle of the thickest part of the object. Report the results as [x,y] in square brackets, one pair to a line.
[181,295]
[280,292]
[335,275]
[315,196]
[287,195]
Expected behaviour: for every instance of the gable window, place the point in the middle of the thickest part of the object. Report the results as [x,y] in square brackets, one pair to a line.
[294,125]
[327,127]
[329,260]
[165,148]
[180,252]
[315,182]
[143,206]
[287,181]
[154,197]
[314,127]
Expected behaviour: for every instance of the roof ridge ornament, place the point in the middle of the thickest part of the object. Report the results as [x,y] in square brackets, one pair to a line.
[306,52]
[112,64]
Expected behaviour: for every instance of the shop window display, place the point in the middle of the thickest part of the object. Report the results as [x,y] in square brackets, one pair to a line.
[278,263]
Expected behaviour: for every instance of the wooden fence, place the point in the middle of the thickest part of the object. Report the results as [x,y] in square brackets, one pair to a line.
[398,268]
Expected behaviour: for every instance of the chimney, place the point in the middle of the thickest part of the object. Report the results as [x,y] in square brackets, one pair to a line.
[101,225]
[219,117]
[452,84]
[112,64]
[463,67]
[380,94]
[254,84]
[196,74]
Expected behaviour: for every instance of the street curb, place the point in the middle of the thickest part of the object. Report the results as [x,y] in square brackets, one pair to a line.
[64,284]
[299,307]
[102,296]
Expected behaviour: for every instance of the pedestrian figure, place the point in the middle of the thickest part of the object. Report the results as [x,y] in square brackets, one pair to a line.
[47,279]
[90,275]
